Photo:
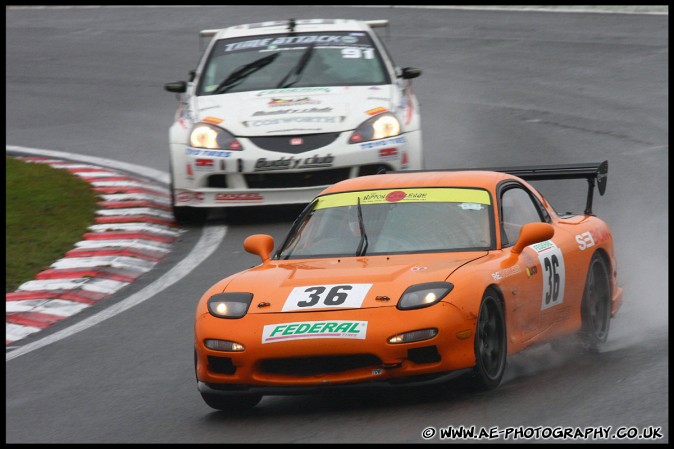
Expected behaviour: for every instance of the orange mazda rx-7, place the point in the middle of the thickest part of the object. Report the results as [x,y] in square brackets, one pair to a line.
[409,278]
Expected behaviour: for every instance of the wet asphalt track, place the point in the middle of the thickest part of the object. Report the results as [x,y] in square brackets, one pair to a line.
[499,88]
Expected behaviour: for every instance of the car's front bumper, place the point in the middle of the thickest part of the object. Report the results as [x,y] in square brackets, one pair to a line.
[306,363]
[255,176]
[413,381]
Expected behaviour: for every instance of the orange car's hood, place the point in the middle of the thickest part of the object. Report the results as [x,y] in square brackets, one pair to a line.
[380,276]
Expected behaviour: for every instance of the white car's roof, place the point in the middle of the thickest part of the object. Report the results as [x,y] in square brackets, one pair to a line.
[301,25]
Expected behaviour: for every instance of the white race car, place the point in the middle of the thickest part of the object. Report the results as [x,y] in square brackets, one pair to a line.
[277,111]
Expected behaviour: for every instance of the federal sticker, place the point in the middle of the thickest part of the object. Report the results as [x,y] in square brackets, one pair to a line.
[304,330]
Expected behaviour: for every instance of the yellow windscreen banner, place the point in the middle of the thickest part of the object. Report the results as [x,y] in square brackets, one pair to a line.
[388,196]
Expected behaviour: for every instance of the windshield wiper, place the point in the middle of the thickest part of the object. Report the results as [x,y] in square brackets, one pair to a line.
[308,210]
[244,71]
[362,246]
[298,69]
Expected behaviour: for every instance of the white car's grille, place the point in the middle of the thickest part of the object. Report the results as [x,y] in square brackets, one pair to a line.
[294,144]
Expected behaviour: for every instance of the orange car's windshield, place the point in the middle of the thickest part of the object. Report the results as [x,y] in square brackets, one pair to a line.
[392,221]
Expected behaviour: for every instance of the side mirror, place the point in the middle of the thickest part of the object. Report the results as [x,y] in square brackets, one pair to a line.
[259,244]
[411,72]
[532,233]
[179,87]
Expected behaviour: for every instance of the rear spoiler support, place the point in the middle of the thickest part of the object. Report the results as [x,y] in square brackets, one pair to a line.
[591,171]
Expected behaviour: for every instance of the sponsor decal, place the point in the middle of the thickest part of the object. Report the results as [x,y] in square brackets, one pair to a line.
[506,273]
[418,268]
[434,195]
[388,153]
[542,246]
[237,197]
[531,271]
[293,111]
[471,206]
[325,39]
[285,120]
[291,101]
[296,90]
[584,240]
[189,197]
[303,330]
[207,153]
[204,164]
[348,296]
[400,140]
[600,235]
[291,162]
[396,196]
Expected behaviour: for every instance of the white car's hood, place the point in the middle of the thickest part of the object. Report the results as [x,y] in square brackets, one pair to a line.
[305,110]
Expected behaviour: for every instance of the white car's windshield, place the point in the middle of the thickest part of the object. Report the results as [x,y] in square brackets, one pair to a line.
[282,61]
[393,221]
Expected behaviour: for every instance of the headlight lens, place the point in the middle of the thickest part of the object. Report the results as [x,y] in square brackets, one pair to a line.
[378,127]
[229,305]
[424,295]
[213,137]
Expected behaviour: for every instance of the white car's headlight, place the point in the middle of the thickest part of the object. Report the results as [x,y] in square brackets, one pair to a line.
[213,137]
[229,305]
[378,127]
[424,295]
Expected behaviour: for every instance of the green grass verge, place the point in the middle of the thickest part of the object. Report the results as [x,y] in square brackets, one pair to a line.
[47,212]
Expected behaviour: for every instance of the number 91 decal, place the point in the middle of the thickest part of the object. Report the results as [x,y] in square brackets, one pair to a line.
[552,264]
[349,296]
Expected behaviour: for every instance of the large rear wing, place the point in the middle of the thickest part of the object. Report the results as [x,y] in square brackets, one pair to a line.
[371,23]
[591,171]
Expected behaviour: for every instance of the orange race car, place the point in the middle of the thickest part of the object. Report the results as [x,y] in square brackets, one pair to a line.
[409,278]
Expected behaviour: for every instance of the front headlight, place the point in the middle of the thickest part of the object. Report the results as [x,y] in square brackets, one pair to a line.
[424,295]
[213,137]
[229,305]
[378,127]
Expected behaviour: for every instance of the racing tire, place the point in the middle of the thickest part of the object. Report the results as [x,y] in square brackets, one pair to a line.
[491,346]
[595,308]
[231,403]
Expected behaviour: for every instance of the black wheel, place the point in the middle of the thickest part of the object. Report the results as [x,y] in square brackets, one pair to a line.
[231,403]
[491,346]
[596,305]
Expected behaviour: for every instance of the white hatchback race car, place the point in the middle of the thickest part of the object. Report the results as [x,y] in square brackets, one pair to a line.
[277,111]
